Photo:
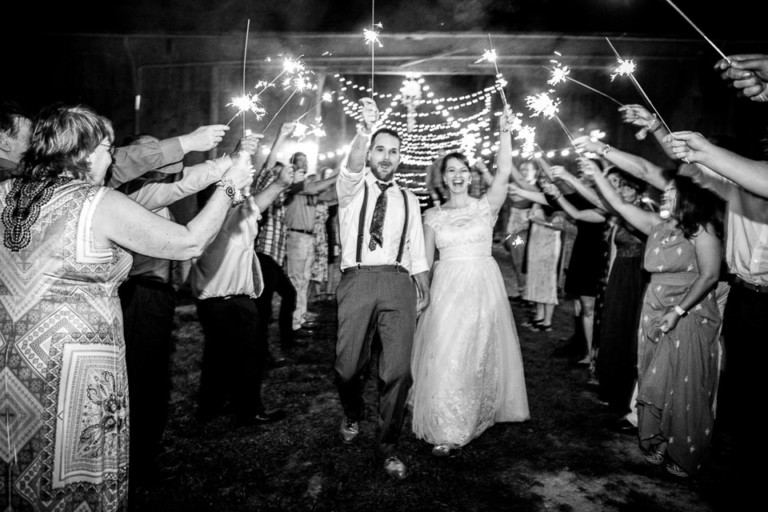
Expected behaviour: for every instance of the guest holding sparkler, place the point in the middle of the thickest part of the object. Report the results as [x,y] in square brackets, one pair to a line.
[585,268]
[467,366]
[677,345]
[69,235]
[616,336]
[736,180]
[544,249]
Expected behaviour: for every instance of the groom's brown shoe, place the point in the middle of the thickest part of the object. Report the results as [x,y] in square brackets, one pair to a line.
[395,468]
[349,430]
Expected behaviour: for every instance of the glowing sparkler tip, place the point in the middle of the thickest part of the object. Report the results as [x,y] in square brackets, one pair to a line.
[371,36]
[559,74]
[488,56]
[625,68]
[248,103]
[542,104]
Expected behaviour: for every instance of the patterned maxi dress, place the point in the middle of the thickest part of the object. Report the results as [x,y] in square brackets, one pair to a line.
[677,371]
[467,366]
[63,385]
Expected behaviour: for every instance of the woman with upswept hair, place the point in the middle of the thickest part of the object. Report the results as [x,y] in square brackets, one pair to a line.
[62,354]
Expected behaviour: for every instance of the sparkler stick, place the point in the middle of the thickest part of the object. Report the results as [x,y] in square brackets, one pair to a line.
[686,18]
[278,111]
[372,38]
[543,104]
[629,73]
[326,97]
[245,53]
[490,56]
[558,77]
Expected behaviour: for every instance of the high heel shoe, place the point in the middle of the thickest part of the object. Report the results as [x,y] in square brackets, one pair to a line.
[533,324]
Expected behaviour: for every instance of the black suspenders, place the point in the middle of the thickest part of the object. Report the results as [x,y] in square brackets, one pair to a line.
[361,227]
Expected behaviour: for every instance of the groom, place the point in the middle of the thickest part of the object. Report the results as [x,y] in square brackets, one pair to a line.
[382,258]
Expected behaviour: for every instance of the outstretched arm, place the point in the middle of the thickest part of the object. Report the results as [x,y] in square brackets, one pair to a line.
[695,148]
[559,172]
[286,129]
[636,166]
[639,218]
[497,193]
[638,115]
[359,148]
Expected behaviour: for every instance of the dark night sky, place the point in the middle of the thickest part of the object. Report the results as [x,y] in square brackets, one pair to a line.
[719,20]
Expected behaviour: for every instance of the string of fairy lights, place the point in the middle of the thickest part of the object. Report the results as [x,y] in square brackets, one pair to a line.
[455,123]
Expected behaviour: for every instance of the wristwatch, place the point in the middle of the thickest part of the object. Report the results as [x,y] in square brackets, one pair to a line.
[229,188]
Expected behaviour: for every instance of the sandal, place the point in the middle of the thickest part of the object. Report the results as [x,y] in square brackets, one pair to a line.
[674,469]
[655,458]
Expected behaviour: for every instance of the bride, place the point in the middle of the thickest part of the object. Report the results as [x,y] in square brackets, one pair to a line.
[466,364]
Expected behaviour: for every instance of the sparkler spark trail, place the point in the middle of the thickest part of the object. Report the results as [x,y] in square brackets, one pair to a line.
[247,103]
[627,67]
[372,38]
[561,74]
[490,56]
[542,104]
[528,135]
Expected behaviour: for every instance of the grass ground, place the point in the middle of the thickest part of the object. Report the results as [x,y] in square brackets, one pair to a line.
[562,459]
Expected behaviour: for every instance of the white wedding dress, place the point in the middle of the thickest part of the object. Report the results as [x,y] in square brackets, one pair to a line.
[467,366]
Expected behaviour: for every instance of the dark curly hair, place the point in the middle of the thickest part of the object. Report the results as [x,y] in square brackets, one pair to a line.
[62,139]
[696,208]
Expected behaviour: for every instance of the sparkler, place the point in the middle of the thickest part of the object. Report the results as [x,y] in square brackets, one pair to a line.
[247,103]
[372,38]
[300,82]
[686,18]
[542,104]
[245,53]
[561,73]
[627,68]
[490,56]
[326,98]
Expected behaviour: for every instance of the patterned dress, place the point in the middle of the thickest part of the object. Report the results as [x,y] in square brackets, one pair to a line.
[320,233]
[63,384]
[544,248]
[467,366]
[677,371]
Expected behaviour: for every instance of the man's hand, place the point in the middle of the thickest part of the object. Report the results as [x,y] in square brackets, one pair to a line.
[588,167]
[249,143]
[286,129]
[285,178]
[204,138]
[585,143]
[748,73]
[370,114]
[687,146]
[241,171]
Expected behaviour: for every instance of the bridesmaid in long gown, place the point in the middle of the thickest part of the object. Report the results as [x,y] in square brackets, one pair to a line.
[679,323]
[467,365]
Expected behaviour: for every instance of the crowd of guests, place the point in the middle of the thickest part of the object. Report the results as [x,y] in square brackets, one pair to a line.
[668,294]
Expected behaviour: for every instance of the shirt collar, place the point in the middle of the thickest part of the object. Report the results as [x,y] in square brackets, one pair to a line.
[371,179]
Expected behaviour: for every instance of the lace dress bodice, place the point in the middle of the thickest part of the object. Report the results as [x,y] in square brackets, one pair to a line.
[463,232]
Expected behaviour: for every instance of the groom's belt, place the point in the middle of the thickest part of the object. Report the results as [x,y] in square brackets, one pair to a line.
[374,268]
